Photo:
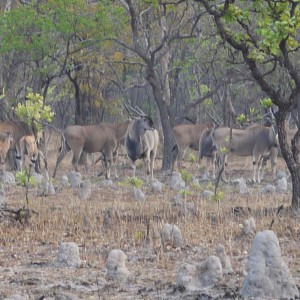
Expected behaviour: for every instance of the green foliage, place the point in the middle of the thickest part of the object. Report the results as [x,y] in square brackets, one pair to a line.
[257,55]
[34,111]
[186,176]
[275,27]
[185,192]
[218,197]
[23,179]
[224,150]
[241,118]
[204,89]
[192,157]
[253,112]
[210,186]
[207,103]
[138,235]
[111,19]
[54,33]
[266,103]
[134,181]
[273,23]
[233,13]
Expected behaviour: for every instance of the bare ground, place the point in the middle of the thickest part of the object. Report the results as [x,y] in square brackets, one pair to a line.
[112,219]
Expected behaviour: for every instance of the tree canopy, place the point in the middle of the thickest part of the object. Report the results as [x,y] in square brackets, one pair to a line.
[201,60]
[265,33]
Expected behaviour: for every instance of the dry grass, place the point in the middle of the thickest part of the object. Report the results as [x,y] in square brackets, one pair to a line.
[28,250]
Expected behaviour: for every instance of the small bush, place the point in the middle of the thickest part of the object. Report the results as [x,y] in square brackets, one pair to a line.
[22,179]
[185,192]
[134,181]
[218,196]
[186,176]
[192,158]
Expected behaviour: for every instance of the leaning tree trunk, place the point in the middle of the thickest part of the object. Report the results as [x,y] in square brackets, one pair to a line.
[290,155]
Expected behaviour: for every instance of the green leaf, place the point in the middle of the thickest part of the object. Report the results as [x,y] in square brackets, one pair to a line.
[34,111]
[266,103]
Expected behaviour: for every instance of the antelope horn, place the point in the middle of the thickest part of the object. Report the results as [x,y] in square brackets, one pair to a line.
[135,110]
[140,111]
[128,111]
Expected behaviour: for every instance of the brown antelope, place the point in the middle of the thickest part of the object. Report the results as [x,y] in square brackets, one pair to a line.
[290,133]
[188,136]
[141,141]
[256,141]
[207,149]
[5,142]
[17,130]
[29,148]
[120,130]
[90,139]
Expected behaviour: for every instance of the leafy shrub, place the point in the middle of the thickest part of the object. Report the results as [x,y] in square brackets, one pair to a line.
[186,176]
[192,158]
[134,181]
[185,192]
[23,179]
[218,196]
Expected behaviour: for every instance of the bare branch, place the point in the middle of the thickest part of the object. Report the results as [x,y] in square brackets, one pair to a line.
[207,95]
[139,86]
[213,118]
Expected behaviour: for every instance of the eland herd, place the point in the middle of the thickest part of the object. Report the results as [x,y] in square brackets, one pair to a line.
[141,141]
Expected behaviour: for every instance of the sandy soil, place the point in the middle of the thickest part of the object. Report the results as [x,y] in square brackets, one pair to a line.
[112,219]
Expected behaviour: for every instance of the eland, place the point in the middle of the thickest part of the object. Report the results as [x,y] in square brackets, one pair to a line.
[29,148]
[17,130]
[141,141]
[207,149]
[121,131]
[104,138]
[5,142]
[290,134]
[188,136]
[256,141]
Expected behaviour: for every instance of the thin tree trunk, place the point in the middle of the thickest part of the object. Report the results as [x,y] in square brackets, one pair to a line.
[165,122]
[78,111]
[295,175]
[291,160]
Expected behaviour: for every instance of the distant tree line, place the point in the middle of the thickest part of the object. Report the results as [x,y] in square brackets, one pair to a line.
[202,61]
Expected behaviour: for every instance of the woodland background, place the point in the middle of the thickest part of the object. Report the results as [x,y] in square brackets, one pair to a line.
[199,60]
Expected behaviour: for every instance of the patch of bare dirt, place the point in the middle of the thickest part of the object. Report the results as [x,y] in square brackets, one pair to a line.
[112,219]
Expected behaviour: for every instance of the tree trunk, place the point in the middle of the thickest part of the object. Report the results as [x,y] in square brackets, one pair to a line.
[78,108]
[291,160]
[168,136]
[295,174]
[298,111]
[165,121]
